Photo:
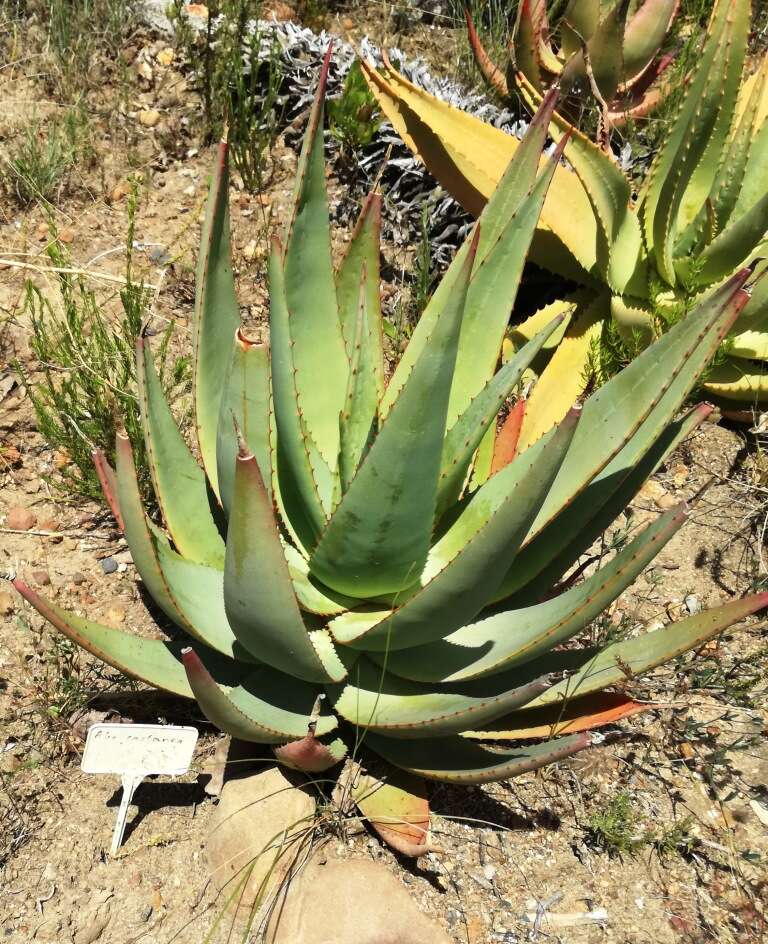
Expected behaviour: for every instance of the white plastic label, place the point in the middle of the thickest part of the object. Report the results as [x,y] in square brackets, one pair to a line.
[139,749]
[135,751]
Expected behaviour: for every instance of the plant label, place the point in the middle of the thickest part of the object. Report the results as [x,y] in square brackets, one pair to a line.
[135,751]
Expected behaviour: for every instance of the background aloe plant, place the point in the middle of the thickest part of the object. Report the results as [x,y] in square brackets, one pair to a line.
[364,566]
[701,212]
[598,49]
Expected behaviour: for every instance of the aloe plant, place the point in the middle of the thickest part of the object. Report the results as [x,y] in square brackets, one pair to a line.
[701,212]
[361,566]
[597,49]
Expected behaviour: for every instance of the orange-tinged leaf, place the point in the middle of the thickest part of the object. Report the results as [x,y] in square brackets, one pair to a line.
[505,446]
[396,806]
[579,714]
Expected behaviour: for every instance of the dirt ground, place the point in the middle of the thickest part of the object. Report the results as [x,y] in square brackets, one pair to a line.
[660,835]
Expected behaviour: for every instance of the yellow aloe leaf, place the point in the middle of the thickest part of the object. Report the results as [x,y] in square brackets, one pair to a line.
[468,157]
[562,381]
[738,380]
[522,333]
[746,90]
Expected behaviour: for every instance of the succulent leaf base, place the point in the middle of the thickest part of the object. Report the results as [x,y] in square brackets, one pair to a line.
[366,565]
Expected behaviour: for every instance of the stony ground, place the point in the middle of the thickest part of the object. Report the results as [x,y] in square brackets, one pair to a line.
[660,835]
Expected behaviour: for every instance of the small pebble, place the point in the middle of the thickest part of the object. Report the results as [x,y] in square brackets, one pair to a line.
[108,565]
[149,118]
[115,614]
[48,524]
[78,579]
[42,578]
[692,604]
[20,519]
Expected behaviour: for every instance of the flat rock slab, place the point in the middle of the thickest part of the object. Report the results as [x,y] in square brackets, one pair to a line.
[349,901]
[256,834]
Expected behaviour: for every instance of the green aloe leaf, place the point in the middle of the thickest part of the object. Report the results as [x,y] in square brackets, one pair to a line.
[625,416]
[684,170]
[466,566]
[584,520]
[154,661]
[296,477]
[310,291]
[605,51]
[644,35]
[734,245]
[267,707]
[457,760]
[180,484]
[580,21]
[217,315]
[259,598]
[358,418]
[363,255]
[378,537]
[622,661]
[463,438]
[378,701]
[515,636]
[510,206]
[245,405]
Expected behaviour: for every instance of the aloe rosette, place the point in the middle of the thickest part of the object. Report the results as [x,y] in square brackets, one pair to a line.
[361,565]
[699,215]
[611,51]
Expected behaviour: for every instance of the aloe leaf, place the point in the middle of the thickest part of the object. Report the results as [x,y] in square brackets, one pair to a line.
[684,170]
[644,35]
[579,23]
[378,537]
[189,593]
[605,50]
[515,636]
[310,292]
[362,254]
[154,661]
[577,714]
[463,438]
[378,701]
[624,417]
[312,596]
[745,381]
[562,382]
[216,317]
[744,143]
[622,661]
[245,405]
[619,243]
[469,157]
[266,707]
[358,418]
[734,245]
[296,477]
[396,805]
[525,45]
[258,593]
[466,566]
[458,760]
[490,71]
[311,754]
[180,485]
[511,214]
[584,520]
[108,482]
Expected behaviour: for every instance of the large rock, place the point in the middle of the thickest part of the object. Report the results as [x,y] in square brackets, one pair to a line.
[251,829]
[349,901]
